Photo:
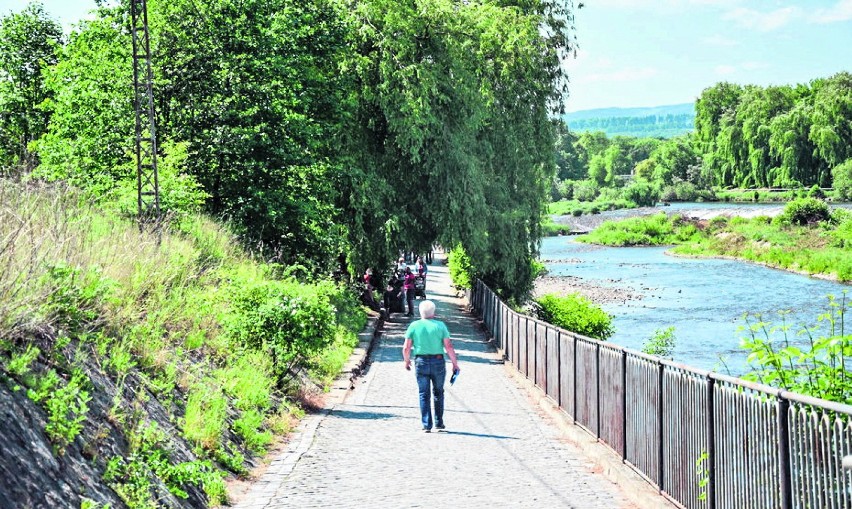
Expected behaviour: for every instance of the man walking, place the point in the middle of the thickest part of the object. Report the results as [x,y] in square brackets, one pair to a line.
[429,338]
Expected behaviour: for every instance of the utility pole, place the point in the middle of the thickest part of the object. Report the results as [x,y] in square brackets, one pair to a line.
[146,129]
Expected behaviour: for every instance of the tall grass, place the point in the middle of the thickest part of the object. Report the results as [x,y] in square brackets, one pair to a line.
[156,309]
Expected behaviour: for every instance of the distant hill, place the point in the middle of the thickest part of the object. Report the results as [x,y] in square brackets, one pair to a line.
[657,121]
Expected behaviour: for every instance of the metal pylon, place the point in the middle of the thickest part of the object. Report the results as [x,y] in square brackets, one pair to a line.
[143,100]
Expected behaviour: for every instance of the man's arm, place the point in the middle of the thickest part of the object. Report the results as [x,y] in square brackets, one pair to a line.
[448,346]
[406,353]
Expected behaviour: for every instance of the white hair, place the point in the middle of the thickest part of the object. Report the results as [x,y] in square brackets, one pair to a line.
[427,309]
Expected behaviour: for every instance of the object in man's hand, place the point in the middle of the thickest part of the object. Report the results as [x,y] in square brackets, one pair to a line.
[455,375]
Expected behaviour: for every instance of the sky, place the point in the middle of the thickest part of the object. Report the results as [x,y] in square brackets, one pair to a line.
[639,53]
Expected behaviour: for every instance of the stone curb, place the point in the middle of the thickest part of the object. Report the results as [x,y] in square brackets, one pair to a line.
[357,363]
[259,494]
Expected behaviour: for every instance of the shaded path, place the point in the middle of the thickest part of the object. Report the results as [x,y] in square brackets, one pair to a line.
[370,451]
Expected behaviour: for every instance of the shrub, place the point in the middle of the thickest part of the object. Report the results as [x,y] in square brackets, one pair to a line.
[642,193]
[287,320]
[575,313]
[662,343]
[842,180]
[816,192]
[461,267]
[685,191]
[805,211]
[586,190]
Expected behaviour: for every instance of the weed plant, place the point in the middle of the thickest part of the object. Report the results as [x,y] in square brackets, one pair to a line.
[814,360]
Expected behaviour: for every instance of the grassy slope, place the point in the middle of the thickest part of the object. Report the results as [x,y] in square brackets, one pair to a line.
[122,340]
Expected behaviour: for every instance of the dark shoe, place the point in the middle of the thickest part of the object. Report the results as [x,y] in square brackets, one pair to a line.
[440,426]
[409,314]
[427,430]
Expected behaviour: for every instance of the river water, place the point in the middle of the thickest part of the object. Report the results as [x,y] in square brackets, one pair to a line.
[704,299]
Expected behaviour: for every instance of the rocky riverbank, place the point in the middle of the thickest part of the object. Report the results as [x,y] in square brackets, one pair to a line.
[613,292]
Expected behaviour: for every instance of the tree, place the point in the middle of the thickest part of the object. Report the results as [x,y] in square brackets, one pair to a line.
[454,105]
[672,160]
[89,140]
[255,90]
[29,43]
[831,129]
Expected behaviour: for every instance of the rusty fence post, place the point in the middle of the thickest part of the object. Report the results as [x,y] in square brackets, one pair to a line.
[660,449]
[624,405]
[711,443]
[786,484]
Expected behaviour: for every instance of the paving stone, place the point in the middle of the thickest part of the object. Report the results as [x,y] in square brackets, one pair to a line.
[369,450]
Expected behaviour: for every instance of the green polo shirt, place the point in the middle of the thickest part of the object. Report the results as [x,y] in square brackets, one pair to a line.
[427,335]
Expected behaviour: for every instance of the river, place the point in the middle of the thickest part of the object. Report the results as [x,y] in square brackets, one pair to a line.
[704,299]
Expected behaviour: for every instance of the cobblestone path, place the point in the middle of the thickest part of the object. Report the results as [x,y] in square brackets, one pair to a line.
[369,451]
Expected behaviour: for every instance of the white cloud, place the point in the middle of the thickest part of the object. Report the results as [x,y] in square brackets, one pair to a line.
[841,11]
[619,75]
[724,70]
[718,40]
[728,69]
[762,21]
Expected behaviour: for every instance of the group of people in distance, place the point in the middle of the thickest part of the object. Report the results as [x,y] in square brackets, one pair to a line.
[402,272]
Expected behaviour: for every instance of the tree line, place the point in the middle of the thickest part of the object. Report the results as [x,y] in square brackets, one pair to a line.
[648,126]
[749,136]
[322,130]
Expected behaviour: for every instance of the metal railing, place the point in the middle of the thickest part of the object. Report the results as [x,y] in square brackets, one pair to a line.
[705,440]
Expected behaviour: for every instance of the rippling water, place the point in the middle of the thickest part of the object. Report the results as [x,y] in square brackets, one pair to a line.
[704,299]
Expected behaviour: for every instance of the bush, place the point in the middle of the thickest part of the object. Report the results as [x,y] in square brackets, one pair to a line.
[575,313]
[287,320]
[586,190]
[805,211]
[842,180]
[642,193]
[461,268]
[662,343]
[685,191]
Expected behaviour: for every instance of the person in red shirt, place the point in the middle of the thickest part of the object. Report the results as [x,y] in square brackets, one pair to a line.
[408,290]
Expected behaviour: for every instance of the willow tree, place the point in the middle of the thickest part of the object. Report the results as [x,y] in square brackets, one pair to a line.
[453,128]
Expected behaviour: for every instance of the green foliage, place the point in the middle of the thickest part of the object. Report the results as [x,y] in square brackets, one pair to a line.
[805,211]
[29,43]
[19,363]
[67,407]
[287,320]
[653,230]
[642,193]
[842,180]
[132,477]
[462,272]
[205,416]
[575,313]
[662,343]
[813,361]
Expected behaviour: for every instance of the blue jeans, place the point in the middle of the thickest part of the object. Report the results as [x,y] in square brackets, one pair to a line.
[431,370]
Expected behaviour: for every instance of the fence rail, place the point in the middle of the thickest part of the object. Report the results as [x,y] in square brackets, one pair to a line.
[705,440]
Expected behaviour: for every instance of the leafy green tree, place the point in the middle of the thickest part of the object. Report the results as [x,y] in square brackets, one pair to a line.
[672,160]
[589,145]
[568,164]
[790,143]
[617,164]
[29,44]
[89,141]
[255,90]
[831,129]
[842,179]
[452,135]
